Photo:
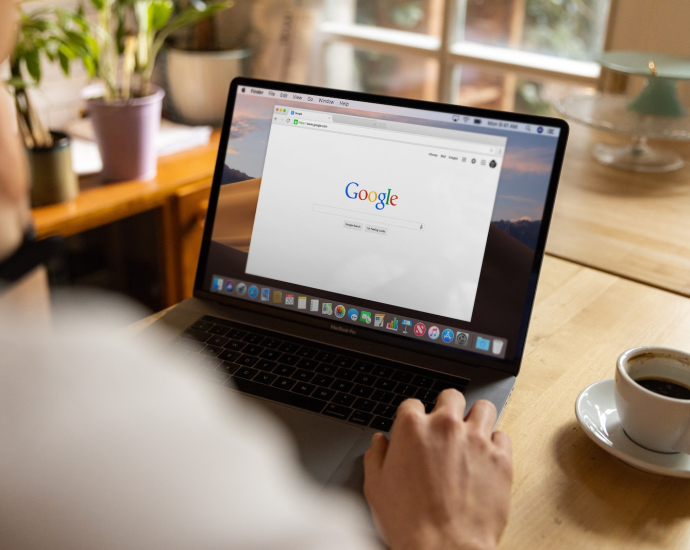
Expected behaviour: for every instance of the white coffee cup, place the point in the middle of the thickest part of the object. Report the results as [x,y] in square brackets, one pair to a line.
[654,421]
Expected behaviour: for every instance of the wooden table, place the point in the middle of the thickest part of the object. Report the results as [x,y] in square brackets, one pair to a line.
[632,224]
[569,493]
[182,176]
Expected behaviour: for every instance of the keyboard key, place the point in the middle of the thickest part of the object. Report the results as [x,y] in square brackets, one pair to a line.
[325,357]
[346,374]
[383,384]
[382,372]
[324,368]
[383,424]
[345,362]
[276,394]
[365,379]
[252,349]
[217,341]
[227,367]
[362,391]
[304,351]
[405,389]
[253,338]
[303,388]
[366,405]
[423,382]
[309,364]
[211,351]
[235,345]
[402,376]
[364,366]
[219,330]
[323,393]
[288,347]
[385,410]
[284,370]
[344,399]
[459,385]
[322,380]
[271,343]
[382,396]
[247,360]
[198,335]
[210,362]
[337,411]
[284,383]
[361,418]
[266,365]
[288,359]
[303,375]
[202,325]
[342,385]
[397,399]
[426,395]
[246,372]
[236,334]
[266,378]
[188,344]
[271,354]
[229,355]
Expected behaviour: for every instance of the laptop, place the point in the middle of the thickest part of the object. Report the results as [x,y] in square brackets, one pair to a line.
[360,250]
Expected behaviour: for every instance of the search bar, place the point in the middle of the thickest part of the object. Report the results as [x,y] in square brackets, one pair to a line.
[374,218]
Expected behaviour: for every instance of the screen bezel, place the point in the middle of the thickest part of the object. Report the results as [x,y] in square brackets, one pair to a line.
[509,365]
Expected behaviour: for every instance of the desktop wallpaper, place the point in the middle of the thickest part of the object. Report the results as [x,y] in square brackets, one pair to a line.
[513,232]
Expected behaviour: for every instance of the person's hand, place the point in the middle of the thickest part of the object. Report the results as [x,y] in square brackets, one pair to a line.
[442,482]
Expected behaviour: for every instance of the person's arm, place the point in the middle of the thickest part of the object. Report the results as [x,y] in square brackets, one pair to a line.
[442,481]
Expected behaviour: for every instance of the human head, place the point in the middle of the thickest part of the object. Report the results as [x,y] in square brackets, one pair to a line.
[15,214]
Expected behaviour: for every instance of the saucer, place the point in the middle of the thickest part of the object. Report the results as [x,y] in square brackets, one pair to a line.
[596,411]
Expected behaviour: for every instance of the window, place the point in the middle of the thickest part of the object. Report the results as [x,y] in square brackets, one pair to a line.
[507,54]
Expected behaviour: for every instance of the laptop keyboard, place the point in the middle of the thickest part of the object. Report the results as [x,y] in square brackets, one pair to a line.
[323,379]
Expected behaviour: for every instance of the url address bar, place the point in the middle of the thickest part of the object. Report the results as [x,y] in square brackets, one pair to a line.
[403,137]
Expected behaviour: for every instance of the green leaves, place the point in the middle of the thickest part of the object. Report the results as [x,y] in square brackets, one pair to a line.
[58,34]
[159,13]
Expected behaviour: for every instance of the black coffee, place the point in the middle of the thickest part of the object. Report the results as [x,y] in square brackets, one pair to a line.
[668,388]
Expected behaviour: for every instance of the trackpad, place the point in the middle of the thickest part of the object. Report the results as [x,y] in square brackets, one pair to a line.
[322,443]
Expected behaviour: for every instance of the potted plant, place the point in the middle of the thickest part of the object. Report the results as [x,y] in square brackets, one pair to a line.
[200,64]
[126,118]
[59,35]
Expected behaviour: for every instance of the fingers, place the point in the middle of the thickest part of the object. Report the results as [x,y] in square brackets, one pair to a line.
[453,400]
[374,457]
[483,416]
[502,441]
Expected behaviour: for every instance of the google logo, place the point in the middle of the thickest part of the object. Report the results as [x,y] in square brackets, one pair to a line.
[372,196]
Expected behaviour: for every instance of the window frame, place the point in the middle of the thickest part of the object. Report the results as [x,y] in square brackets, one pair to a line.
[448,52]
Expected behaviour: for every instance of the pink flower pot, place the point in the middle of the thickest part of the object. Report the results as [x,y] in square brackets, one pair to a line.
[126,133]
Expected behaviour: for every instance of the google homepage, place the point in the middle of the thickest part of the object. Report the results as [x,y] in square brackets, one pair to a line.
[378,213]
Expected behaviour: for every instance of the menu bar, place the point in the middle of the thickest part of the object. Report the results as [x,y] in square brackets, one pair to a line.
[460,120]
[347,314]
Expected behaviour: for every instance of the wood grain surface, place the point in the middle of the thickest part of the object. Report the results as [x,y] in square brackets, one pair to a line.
[569,493]
[627,223]
[102,203]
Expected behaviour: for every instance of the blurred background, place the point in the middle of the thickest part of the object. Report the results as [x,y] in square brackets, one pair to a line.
[515,55]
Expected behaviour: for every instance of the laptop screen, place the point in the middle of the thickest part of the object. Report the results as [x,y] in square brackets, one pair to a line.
[416,223]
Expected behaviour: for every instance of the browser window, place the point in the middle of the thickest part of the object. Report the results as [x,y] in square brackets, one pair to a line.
[363,208]
[422,224]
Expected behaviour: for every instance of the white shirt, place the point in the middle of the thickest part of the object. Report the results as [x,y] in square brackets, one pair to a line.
[108,442]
